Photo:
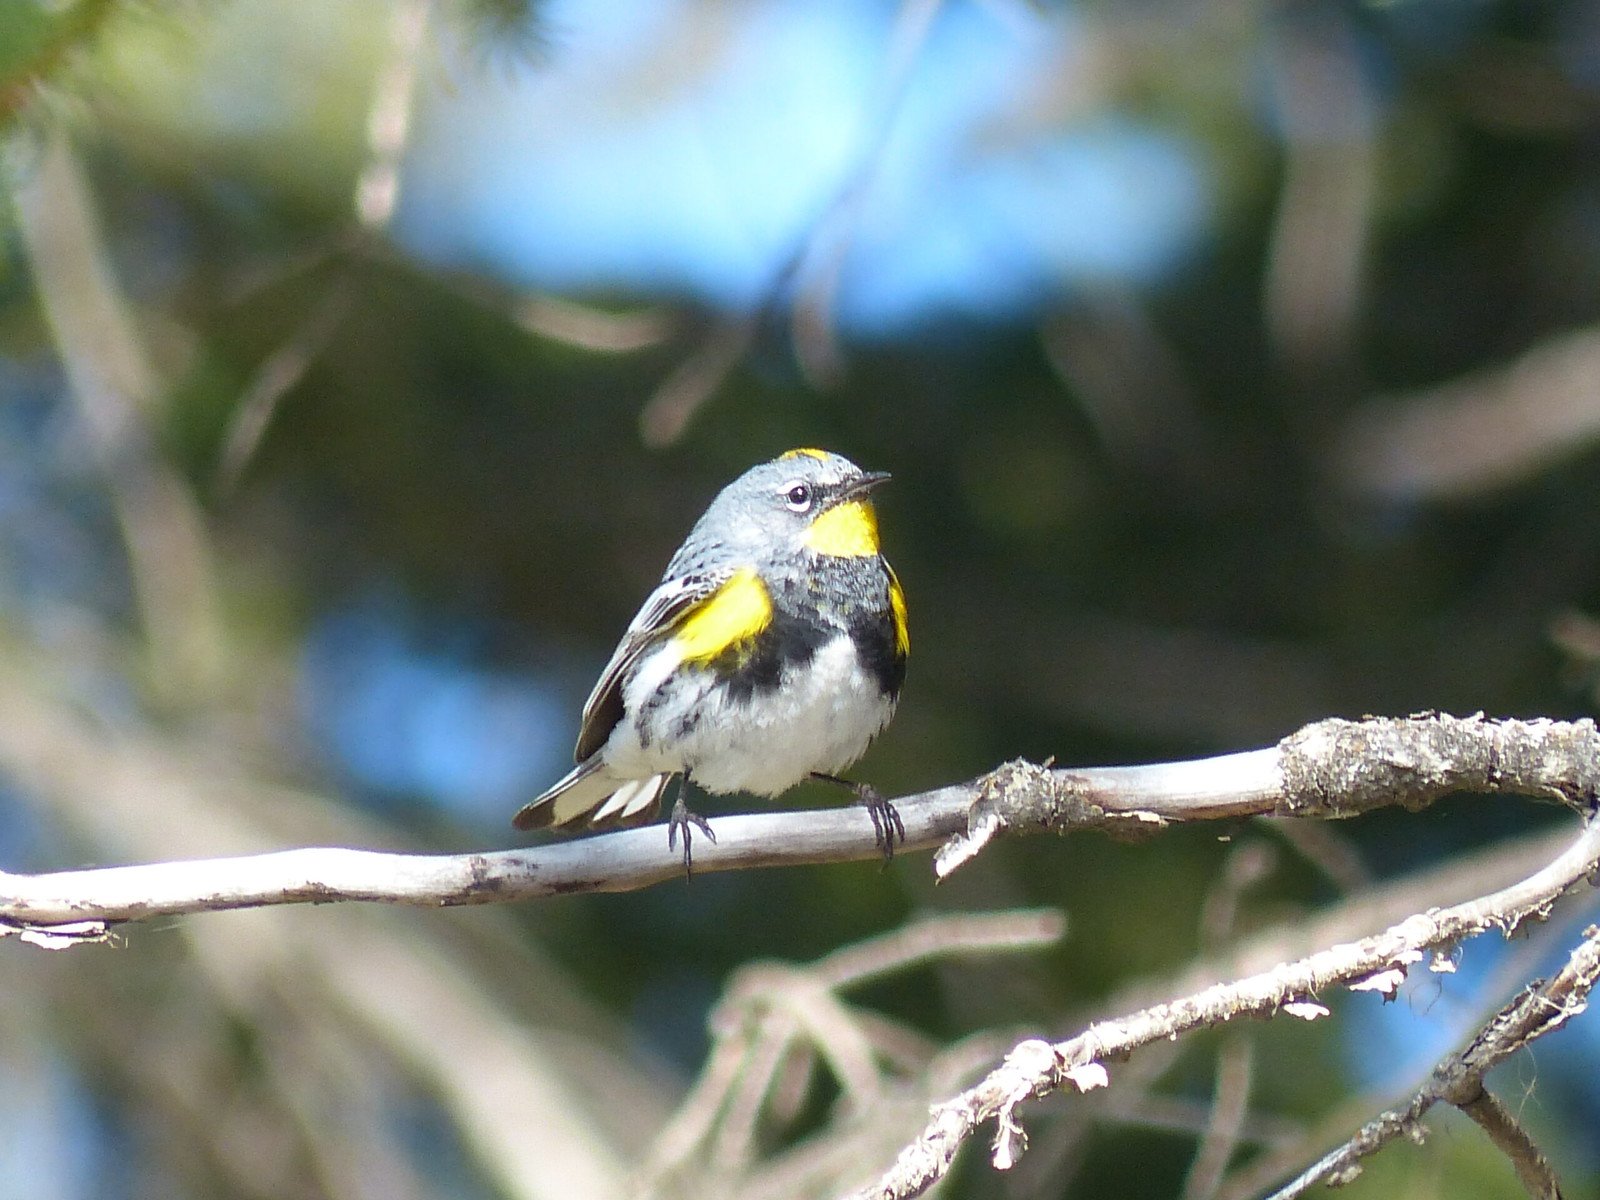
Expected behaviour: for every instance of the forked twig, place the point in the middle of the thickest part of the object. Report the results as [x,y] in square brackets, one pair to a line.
[1038,1068]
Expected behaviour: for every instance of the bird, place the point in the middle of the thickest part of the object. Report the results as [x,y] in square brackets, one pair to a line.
[772,651]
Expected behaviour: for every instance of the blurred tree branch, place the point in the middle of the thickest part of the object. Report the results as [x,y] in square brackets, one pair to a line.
[1320,231]
[812,273]
[376,196]
[775,1019]
[117,392]
[1488,429]
[41,40]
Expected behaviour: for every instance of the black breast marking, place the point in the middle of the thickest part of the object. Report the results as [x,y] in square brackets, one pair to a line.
[791,640]
[875,646]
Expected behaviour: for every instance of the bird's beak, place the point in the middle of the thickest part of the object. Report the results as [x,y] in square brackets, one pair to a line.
[865,484]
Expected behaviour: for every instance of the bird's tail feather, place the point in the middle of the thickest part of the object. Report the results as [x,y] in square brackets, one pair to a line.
[632,802]
[589,790]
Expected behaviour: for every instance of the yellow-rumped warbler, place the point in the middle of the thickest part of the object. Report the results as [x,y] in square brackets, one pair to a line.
[772,651]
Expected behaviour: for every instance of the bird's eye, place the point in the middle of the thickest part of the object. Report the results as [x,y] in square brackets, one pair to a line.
[798,497]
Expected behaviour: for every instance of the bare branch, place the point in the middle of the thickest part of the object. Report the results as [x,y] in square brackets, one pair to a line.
[1541,1008]
[940,937]
[1036,1068]
[591,328]
[613,862]
[1330,769]
[1333,768]
[376,197]
[820,264]
[1247,866]
[1326,850]
[813,270]
[1512,1140]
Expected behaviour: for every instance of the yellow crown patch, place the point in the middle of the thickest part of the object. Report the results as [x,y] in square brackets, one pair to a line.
[805,451]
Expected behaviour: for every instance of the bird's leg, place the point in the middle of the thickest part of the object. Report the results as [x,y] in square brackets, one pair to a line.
[679,822]
[886,822]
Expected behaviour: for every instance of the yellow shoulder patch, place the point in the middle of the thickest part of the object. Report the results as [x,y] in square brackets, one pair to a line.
[897,606]
[807,451]
[734,613]
[848,530]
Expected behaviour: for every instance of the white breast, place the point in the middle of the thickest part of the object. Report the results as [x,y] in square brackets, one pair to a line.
[820,718]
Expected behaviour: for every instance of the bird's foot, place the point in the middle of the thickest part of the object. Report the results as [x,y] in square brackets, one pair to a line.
[680,822]
[886,822]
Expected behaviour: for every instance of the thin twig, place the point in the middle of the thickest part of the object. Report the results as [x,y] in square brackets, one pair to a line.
[1379,905]
[1230,1106]
[733,1137]
[376,196]
[1176,1114]
[1058,1149]
[1326,849]
[813,270]
[1246,866]
[591,328]
[668,412]
[1257,1176]
[820,265]
[821,1018]
[1512,1140]
[1320,232]
[1542,1008]
[281,371]
[1266,1171]
[939,937]
[696,1117]
[1037,1068]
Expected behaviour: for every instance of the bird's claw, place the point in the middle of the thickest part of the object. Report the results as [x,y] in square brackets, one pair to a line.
[680,821]
[886,822]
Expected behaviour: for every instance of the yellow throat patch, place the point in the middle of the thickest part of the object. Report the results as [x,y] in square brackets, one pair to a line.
[848,530]
[734,613]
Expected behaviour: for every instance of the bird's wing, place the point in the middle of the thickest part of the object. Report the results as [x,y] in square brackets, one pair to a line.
[661,612]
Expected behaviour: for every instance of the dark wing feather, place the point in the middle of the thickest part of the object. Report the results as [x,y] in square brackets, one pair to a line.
[660,614]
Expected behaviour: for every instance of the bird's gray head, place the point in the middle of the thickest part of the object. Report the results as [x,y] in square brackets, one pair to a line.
[805,499]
